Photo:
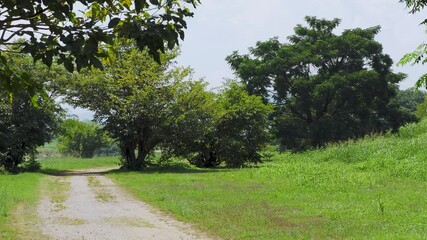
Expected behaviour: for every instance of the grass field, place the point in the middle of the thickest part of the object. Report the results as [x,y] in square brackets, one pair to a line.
[14,190]
[375,188]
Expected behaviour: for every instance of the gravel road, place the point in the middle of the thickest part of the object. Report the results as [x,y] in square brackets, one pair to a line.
[95,208]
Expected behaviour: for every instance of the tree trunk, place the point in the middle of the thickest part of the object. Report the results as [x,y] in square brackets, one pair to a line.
[128,151]
[142,155]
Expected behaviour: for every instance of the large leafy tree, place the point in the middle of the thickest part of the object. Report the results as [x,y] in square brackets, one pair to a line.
[75,31]
[326,87]
[26,121]
[232,127]
[135,99]
[23,127]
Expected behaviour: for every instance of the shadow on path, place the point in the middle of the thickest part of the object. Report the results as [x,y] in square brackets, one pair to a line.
[83,172]
[173,168]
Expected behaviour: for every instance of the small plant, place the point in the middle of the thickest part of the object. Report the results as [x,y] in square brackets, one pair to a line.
[381,207]
[267,156]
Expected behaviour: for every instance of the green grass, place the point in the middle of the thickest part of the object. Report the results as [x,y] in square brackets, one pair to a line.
[14,190]
[375,188]
[69,163]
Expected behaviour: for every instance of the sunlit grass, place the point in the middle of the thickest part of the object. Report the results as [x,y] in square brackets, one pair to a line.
[14,190]
[69,163]
[375,188]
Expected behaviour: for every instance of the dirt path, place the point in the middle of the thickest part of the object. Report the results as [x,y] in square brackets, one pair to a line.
[86,205]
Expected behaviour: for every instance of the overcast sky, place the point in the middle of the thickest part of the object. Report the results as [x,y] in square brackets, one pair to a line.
[220,27]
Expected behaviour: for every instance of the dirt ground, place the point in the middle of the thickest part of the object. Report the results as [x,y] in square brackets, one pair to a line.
[86,205]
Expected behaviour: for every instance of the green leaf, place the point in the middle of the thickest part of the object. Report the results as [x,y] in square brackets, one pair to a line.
[113,22]
[69,65]
[139,5]
[34,100]
[96,63]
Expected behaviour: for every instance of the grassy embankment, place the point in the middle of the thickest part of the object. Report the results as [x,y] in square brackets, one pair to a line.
[375,188]
[20,193]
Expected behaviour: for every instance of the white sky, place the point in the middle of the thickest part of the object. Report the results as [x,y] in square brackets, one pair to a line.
[220,27]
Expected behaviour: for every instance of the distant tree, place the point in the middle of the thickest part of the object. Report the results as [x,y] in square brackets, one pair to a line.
[80,139]
[325,87]
[409,99]
[421,111]
[231,129]
[74,31]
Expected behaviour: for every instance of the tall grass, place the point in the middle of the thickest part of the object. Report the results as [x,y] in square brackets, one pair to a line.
[374,188]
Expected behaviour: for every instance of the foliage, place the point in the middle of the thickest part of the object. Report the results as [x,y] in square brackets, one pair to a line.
[24,127]
[80,139]
[409,99]
[135,99]
[75,32]
[26,120]
[326,87]
[419,55]
[421,111]
[229,129]
[242,128]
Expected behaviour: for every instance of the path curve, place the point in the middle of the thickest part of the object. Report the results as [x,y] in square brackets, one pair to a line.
[96,208]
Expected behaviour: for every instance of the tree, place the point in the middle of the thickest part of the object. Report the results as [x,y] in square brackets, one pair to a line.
[76,32]
[231,128]
[325,87]
[24,127]
[26,121]
[80,139]
[135,99]
[419,55]
[409,99]
[242,130]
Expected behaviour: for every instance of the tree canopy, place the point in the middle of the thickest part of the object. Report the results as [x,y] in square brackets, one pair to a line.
[77,32]
[135,99]
[326,87]
[230,128]
[26,120]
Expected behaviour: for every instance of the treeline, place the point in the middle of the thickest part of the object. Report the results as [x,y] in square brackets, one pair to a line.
[317,88]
